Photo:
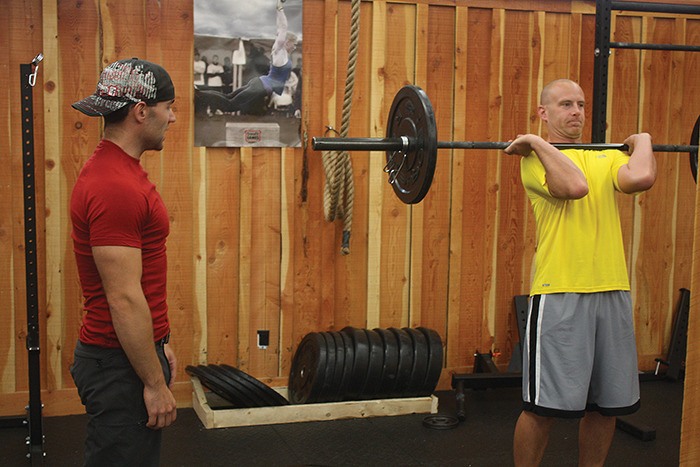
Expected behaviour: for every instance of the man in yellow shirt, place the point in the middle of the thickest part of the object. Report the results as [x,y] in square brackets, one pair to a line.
[579,353]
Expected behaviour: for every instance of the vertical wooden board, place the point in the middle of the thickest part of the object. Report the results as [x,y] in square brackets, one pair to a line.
[200,277]
[326,254]
[78,26]
[200,323]
[434,271]
[123,31]
[417,233]
[558,30]
[685,190]
[265,272]
[537,60]
[315,308]
[57,232]
[511,207]
[493,173]
[308,213]
[223,168]
[176,183]
[356,290]
[350,286]
[338,64]
[376,159]
[245,264]
[320,236]
[8,343]
[478,200]
[624,107]
[678,204]
[690,423]
[557,46]
[395,241]
[288,163]
[575,20]
[459,243]
[652,268]
[587,58]
[25,29]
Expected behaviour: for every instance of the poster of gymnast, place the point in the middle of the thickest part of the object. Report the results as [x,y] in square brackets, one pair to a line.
[247,72]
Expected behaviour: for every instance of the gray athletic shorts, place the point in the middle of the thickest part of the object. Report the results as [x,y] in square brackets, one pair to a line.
[579,354]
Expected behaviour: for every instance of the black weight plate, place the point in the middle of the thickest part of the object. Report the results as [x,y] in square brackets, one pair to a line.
[327,388]
[212,382]
[360,362]
[403,376]
[391,362]
[440,422]
[420,361]
[373,381]
[250,395]
[272,397]
[349,347]
[308,369]
[339,370]
[434,359]
[694,140]
[411,115]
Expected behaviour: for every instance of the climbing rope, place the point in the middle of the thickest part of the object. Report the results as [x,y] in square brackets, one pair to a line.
[339,189]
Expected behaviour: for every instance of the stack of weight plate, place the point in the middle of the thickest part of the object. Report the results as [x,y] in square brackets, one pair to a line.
[236,386]
[357,364]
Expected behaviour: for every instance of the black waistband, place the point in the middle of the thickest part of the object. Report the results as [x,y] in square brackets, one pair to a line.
[163,341]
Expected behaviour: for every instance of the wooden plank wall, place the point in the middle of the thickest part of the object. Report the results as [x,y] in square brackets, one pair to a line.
[250,249]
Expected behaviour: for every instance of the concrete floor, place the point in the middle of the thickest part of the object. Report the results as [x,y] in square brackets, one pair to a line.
[484,438]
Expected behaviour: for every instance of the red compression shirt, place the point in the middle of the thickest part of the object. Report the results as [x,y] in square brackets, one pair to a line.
[114,204]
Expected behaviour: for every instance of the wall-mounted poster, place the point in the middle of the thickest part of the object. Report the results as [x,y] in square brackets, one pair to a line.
[247,72]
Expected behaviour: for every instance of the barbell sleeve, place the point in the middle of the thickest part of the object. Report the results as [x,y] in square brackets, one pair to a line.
[398,144]
[357,144]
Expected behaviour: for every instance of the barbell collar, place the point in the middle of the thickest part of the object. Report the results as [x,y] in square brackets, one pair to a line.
[404,143]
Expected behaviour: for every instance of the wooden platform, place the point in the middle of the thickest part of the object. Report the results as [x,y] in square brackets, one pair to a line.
[223,418]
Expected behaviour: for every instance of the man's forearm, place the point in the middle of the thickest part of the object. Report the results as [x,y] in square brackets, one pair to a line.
[134,327]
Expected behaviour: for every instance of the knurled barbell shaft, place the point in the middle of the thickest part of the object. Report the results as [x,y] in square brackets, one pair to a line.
[398,144]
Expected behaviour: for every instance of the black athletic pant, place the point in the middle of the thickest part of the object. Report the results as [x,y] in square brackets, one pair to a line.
[112,393]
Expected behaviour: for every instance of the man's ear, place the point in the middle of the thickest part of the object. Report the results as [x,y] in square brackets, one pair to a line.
[542,112]
[139,111]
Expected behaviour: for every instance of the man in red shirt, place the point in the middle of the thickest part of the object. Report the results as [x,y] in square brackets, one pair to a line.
[123,364]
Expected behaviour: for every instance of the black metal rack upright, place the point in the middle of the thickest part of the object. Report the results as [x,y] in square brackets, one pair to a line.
[603,17]
[33,420]
[35,440]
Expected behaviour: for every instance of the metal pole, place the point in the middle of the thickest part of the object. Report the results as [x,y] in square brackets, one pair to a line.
[637,45]
[600,70]
[656,7]
[35,440]
[399,144]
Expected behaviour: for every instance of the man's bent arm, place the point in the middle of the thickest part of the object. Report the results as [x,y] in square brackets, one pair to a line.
[564,179]
[640,172]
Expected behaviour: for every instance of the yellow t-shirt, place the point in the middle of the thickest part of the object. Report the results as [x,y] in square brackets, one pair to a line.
[579,242]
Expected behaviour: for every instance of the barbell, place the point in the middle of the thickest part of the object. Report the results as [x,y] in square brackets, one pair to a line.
[411,145]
